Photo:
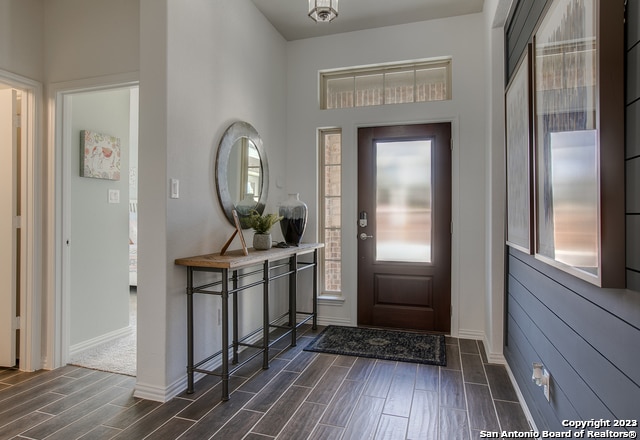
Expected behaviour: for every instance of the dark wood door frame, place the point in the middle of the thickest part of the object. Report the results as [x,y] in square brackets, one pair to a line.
[434,313]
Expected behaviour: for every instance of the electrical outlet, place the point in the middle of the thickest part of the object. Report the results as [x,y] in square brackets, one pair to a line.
[542,378]
[547,385]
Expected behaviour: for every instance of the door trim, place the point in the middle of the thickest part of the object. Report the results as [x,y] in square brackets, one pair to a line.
[351,219]
[435,274]
[32,217]
[58,169]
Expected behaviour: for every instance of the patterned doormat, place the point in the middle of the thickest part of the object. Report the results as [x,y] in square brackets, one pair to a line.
[421,348]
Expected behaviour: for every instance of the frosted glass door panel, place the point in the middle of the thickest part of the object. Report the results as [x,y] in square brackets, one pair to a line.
[403,201]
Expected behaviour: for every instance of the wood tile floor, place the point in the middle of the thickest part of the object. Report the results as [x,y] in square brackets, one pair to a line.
[302,395]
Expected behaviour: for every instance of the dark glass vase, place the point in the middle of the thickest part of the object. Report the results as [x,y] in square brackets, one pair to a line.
[294,219]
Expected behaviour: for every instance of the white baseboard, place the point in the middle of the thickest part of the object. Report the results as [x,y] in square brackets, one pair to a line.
[178,386]
[470,334]
[45,363]
[493,358]
[150,392]
[102,339]
[496,358]
[523,403]
[334,321]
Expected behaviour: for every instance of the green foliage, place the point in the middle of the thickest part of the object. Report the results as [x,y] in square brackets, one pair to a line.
[262,223]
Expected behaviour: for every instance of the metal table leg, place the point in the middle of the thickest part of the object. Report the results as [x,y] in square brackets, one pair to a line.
[225,334]
[265,316]
[189,330]
[235,316]
[315,289]
[293,282]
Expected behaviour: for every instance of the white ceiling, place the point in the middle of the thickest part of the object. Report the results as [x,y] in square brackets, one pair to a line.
[290,18]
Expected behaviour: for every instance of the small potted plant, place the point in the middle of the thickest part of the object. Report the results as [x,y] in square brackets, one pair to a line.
[262,224]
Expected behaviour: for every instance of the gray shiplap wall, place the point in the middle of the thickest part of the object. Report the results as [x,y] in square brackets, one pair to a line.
[632,150]
[587,337]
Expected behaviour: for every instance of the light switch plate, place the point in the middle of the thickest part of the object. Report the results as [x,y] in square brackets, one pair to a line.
[175,188]
[114,196]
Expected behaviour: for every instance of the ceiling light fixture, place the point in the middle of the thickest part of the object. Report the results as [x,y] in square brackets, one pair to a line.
[323,10]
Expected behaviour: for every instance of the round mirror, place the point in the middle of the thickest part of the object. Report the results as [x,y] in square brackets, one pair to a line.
[242,173]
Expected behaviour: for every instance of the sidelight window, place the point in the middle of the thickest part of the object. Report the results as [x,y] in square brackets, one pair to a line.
[331,200]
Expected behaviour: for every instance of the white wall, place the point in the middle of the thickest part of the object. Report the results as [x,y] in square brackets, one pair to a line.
[21,37]
[495,13]
[99,251]
[134,105]
[204,64]
[87,43]
[90,38]
[152,184]
[458,38]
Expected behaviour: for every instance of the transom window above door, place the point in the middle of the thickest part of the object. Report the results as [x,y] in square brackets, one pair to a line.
[397,83]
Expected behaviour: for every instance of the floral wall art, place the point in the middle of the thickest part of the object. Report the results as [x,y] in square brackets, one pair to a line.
[100,155]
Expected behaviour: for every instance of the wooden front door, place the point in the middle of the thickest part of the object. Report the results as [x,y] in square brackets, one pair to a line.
[404,227]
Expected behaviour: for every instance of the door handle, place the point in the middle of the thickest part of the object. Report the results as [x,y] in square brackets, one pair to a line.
[364,236]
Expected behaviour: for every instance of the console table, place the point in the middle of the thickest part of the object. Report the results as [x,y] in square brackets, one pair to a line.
[275,263]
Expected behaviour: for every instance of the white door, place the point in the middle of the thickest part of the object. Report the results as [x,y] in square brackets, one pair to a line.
[9,138]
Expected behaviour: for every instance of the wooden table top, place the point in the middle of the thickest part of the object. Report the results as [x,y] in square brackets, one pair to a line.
[236,259]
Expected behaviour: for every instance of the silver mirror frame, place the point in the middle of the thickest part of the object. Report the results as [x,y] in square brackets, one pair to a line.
[233,133]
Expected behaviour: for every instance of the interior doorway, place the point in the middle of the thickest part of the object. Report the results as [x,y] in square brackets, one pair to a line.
[19,239]
[99,195]
[20,306]
[404,232]
[10,230]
